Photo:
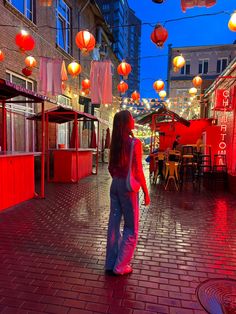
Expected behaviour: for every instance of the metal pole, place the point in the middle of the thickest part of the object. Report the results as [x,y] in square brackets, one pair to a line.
[4,126]
[97,150]
[47,149]
[76,146]
[43,154]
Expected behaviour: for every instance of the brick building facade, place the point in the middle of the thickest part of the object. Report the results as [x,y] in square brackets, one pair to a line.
[53,28]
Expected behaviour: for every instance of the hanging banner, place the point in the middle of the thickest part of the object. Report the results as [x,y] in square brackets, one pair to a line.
[223,100]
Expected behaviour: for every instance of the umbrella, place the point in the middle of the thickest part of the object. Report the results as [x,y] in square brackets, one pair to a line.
[108,138]
[73,137]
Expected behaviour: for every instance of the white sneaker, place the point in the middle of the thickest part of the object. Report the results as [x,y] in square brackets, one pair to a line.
[125,271]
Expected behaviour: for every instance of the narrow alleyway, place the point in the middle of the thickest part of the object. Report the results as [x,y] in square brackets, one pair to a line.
[52,251]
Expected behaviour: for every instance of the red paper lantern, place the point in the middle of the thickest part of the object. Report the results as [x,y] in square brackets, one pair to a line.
[74,68]
[27,71]
[124,69]
[2,57]
[197,81]
[85,84]
[159,35]
[122,87]
[24,41]
[85,41]
[158,85]
[30,62]
[135,96]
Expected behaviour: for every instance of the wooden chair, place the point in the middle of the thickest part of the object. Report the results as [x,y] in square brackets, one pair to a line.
[172,174]
[159,166]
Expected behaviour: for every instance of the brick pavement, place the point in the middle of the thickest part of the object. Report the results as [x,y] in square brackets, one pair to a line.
[52,251]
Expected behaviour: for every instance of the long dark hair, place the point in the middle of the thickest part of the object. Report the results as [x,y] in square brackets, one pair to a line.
[120,134]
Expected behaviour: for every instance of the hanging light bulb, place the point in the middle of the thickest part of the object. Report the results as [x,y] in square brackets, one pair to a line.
[232,22]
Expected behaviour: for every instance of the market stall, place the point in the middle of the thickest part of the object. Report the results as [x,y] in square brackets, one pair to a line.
[17,181]
[70,164]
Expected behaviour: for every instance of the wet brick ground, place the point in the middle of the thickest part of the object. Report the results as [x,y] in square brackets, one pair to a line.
[52,251]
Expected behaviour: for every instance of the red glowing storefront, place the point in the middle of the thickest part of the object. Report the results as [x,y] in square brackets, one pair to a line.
[220,103]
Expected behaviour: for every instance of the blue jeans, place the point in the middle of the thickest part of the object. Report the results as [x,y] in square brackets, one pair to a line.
[120,248]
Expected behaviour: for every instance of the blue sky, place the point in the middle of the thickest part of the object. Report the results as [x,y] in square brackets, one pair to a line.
[190,32]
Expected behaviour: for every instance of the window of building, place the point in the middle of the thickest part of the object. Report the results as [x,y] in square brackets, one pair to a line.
[64,100]
[221,64]
[63,14]
[26,7]
[21,132]
[106,7]
[186,68]
[203,66]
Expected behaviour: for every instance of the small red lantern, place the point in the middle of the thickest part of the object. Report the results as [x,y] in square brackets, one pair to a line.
[30,62]
[124,69]
[24,41]
[135,96]
[159,35]
[2,57]
[85,41]
[74,69]
[122,87]
[27,71]
[197,81]
[85,84]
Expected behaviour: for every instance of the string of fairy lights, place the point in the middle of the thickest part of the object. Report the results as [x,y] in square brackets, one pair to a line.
[86,42]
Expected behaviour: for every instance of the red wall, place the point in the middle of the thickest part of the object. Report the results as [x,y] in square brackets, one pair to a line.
[189,135]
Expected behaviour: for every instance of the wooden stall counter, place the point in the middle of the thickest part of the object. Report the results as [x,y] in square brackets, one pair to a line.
[16,178]
[65,166]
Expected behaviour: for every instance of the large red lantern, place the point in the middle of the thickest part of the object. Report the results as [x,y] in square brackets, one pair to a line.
[74,68]
[85,84]
[124,69]
[24,41]
[2,57]
[122,87]
[27,71]
[30,62]
[159,35]
[85,41]
[158,85]
[135,96]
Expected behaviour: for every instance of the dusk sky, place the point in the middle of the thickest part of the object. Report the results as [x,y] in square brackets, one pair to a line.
[198,31]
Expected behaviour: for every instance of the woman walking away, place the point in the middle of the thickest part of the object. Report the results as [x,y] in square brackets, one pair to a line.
[120,248]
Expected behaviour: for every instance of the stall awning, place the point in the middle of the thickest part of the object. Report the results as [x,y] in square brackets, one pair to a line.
[165,115]
[10,90]
[61,114]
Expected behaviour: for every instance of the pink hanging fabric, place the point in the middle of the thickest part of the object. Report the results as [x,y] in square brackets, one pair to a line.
[50,76]
[101,82]
[187,4]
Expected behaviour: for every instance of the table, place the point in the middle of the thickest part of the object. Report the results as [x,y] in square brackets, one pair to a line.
[66,168]
[17,182]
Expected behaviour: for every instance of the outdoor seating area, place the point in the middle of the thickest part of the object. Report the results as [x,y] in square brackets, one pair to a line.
[189,165]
